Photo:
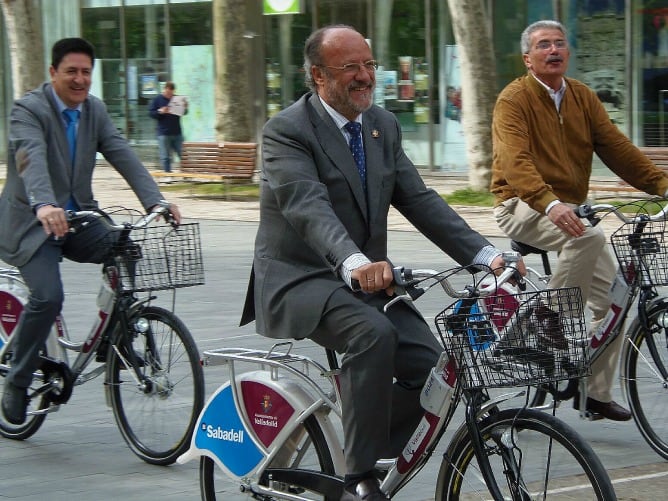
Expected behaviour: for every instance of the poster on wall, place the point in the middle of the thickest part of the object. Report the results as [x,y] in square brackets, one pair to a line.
[453,155]
[193,75]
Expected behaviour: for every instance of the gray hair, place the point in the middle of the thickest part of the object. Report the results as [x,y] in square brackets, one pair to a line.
[525,40]
[312,48]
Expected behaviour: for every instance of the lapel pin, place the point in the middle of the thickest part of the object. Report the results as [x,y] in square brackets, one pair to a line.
[375,133]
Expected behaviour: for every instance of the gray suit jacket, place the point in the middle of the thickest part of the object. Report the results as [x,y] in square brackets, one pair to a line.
[36,127]
[314,213]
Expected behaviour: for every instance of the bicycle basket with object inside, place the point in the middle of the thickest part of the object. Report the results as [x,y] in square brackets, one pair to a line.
[642,247]
[543,338]
[161,257]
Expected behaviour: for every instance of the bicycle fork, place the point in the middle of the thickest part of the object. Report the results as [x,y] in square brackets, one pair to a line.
[504,447]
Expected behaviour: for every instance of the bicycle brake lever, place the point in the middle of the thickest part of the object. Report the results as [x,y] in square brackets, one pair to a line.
[412,293]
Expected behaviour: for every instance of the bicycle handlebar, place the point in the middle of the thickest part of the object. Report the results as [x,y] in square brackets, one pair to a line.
[416,282]
[589,212]
[160,210]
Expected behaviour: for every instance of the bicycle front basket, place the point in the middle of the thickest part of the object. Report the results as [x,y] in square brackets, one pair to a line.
[162,257]
[542,338]
[647,250]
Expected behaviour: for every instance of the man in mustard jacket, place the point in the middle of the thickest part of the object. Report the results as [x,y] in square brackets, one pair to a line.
[545,130]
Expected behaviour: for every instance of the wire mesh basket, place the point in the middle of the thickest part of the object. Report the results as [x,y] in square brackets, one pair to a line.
[644,250]
[162,257]
[521,339]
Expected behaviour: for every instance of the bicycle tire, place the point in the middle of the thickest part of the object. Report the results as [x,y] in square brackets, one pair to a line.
[645,381]
[305,449]
[538,438]
[32,423]
[157,417]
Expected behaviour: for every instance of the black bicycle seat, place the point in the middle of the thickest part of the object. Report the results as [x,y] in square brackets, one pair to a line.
[525,249]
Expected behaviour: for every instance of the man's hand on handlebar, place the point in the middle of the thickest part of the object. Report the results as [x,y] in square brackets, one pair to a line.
[374,277]
[566,220]
[173,211]
[54,220]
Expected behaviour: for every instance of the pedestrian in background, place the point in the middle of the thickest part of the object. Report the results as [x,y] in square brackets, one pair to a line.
[170,135]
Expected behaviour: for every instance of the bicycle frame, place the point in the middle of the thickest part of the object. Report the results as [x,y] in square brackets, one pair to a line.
[246,422]
[59,343]
[629,283]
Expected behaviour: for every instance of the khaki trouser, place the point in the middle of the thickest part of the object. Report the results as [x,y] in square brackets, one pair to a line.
[584,262]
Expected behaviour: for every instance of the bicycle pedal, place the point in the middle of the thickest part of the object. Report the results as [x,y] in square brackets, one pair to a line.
[593,416]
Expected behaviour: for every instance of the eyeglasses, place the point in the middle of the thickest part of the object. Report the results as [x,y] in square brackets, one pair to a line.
[354,68]
[547,45]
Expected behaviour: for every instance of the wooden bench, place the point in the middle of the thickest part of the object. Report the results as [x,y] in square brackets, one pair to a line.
[657,154]
[227,162]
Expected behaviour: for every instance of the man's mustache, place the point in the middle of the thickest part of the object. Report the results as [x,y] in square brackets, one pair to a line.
[554,59]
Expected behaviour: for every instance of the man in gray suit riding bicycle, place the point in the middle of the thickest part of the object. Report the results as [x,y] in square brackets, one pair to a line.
[332,166]
[55,133]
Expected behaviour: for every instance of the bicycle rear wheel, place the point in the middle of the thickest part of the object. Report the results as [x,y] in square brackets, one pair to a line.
[305,449]
[545,459]
[645,381]
[156,404]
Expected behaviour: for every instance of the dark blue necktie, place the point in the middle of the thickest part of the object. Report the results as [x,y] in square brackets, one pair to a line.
[355,131]
[71,117]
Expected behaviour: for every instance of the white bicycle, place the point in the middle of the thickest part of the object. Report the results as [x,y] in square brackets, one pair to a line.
[272,428]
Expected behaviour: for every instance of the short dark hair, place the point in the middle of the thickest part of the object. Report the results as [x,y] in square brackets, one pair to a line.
[66,46]
[312,47]
[170,85]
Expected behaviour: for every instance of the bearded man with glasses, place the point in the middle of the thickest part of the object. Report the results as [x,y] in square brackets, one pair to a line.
[332,164]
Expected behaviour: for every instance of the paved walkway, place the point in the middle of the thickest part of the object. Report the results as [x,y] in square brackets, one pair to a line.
[110,189]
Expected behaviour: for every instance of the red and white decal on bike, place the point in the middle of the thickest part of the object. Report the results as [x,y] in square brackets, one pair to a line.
[60,327]
[619,295]
[604,329]
[502,305]
[102,323]
[417,443]
[10,311]
[267,410]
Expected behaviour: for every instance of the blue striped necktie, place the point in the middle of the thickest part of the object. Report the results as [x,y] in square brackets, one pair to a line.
[71,117]
[355,131]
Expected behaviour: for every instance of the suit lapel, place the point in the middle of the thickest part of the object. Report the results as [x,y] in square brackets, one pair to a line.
[335,147]
[63,144]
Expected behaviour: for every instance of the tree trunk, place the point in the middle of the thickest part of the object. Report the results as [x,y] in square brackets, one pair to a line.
[26,49]
[233,60]
[470,22]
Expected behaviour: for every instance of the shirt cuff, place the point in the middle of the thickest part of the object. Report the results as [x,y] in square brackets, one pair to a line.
[550,205]
[350,264]
[486,255]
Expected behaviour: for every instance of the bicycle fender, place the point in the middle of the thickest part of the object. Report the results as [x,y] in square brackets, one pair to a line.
[241,427]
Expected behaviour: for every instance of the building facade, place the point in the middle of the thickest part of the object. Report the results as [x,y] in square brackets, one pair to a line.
[619,47]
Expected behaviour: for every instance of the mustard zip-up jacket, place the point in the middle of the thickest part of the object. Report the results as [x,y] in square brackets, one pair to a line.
[541,154]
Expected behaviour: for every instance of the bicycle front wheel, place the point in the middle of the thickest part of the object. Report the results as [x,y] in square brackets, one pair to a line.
[156,402]
[531,455]
[645,381]
[305,449]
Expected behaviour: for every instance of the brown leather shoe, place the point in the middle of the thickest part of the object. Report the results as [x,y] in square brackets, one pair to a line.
[610,410]
[367,490]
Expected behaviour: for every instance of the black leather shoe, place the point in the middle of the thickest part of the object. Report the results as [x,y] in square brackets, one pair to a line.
[367,490]
[610,410]
[14,403]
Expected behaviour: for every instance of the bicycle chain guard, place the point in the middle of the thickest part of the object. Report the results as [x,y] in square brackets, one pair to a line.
[57,380]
